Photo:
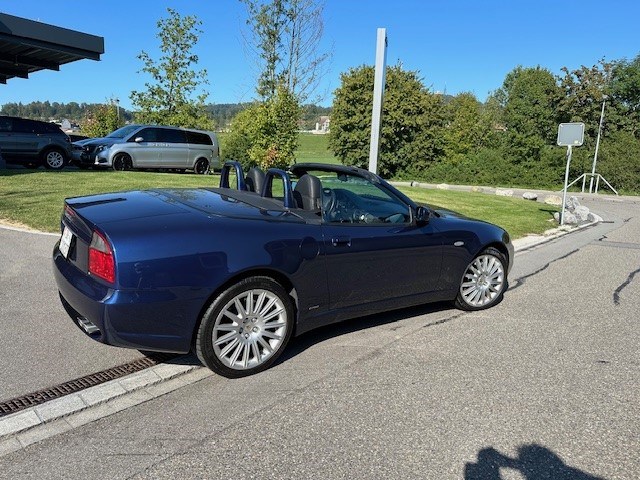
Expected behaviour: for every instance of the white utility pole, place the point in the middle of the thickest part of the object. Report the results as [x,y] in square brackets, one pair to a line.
[378,96]
[595,156]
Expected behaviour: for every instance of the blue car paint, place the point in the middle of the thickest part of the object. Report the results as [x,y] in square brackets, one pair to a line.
[176,249]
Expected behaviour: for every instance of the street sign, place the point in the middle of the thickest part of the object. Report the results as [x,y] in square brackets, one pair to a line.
[570,134]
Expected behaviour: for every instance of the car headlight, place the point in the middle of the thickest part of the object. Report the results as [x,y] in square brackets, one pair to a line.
[99,148]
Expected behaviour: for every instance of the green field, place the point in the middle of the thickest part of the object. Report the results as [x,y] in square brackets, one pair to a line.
[314,148]
[311,148]
[34,198]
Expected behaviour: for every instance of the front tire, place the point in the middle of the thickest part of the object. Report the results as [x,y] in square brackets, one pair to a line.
[202,166]
[54,159]
[121,162]
[246,328]
[484,281]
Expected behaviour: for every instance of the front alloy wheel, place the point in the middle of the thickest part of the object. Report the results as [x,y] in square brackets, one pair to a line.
[246,328]
[484,281]
[121,162]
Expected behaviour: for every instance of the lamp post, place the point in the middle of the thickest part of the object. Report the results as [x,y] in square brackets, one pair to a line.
[595,156]
[117,109]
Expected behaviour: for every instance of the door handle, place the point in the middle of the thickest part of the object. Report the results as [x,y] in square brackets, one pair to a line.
[341,241]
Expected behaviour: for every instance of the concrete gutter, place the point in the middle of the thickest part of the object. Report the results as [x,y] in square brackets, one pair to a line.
[57,416]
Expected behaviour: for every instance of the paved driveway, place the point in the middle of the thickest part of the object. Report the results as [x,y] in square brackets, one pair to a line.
[40,345]
[543,386]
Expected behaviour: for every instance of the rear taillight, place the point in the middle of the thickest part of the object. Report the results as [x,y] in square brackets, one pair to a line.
[101,263]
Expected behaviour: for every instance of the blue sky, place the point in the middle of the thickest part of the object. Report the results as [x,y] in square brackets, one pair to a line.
[456,46]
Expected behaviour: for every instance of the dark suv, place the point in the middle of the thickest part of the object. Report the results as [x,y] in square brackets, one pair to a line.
[33,143]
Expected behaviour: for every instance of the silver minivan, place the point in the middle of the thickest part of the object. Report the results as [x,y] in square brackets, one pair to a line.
[154,146]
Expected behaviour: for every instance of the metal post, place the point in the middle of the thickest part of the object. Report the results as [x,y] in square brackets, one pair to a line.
[566,181]
[378,94]
[595,156]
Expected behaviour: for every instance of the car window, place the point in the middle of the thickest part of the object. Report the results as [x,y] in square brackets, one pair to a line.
[122,132]
[171,135]
[6,124]
[147,134]
[350,199]
[199,138]
[23,126]
[52,128]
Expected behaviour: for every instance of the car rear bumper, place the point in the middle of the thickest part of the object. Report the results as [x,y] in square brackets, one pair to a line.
[120,318]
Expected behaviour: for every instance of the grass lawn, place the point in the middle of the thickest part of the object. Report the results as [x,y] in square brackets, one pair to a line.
[34,198]
[314,148]
[517,216]
[311,148]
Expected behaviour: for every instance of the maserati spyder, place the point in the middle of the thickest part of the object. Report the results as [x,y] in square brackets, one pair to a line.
[233,272]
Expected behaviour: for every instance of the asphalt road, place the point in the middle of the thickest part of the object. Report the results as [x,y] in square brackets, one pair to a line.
[41,347]
[542,386]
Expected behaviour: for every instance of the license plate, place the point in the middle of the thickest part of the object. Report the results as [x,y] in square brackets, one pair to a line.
[65,241]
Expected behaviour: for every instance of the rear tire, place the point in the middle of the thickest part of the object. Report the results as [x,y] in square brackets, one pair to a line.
[484,281]
[202,166]
[246,328]
[54,159]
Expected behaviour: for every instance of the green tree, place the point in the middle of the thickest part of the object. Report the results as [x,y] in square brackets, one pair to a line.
[284,36]
[625,92]
[170,98]
[529,97]
[583,91]
[265,134]
[101,120]
[468,126]
[412,121]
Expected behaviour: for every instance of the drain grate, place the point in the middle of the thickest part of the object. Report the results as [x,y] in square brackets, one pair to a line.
[37,398]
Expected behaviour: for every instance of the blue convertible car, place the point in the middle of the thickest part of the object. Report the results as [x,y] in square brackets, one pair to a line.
[233,272]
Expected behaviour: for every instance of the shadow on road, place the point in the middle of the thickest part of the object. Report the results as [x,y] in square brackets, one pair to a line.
[534,462]
[309,339]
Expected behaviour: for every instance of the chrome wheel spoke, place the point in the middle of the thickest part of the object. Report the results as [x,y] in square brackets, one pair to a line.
[250,329]
[483,281]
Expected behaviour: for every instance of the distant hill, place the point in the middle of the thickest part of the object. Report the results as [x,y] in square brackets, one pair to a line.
[222,113]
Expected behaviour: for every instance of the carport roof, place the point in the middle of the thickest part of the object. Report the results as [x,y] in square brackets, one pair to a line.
[27,46]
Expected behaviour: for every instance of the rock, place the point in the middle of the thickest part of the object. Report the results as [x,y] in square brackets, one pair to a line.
[569,218]
[504,193]
[582,213]
[572,203]
[477,189]
[530,196]
[591,217]
[442,186]
[553,200]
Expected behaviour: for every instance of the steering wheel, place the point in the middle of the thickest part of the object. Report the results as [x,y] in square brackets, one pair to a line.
[328,200]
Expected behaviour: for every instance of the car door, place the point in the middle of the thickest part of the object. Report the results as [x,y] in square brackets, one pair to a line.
[26,138]
[7,143]
[374,251]
[147,151]
[175,149]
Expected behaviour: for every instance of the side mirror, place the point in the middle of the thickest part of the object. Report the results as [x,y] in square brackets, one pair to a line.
[138,139]
[422,215]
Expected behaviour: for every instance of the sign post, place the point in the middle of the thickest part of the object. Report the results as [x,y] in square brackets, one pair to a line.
[569,135]
[378,94]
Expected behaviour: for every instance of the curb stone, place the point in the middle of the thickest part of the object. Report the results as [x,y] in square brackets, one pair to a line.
[37,423]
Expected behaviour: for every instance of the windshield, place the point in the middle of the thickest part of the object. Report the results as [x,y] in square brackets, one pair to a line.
[123,131]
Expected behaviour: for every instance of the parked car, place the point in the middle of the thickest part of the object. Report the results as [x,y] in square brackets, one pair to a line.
[234,272]
[33,143]
[151,146]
